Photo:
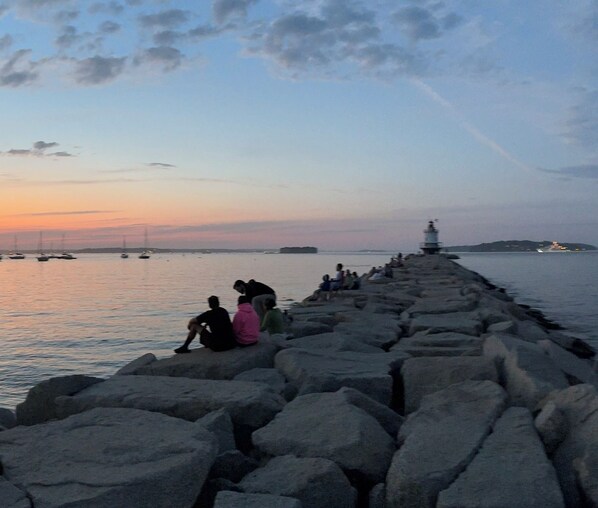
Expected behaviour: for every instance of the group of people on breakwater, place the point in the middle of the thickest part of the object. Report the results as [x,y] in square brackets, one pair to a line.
[256,311]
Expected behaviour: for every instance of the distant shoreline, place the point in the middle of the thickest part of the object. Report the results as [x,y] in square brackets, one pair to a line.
[518,246]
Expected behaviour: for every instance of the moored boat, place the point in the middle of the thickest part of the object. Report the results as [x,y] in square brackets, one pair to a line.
[554,247]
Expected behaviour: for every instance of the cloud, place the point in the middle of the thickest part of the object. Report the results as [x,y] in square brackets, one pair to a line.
[6,41]
[42,145]
[420,23]
[337,34]
[588,22]
[109,27]
[38,150]
[97,70]
[160,165]
[226,9]
[172,18]
[581,128]
[17,70]
[71,212]
[112,8]
[582,171]
[168,57]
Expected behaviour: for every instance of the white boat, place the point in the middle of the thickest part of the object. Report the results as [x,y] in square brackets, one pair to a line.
[15,254]
[146,252]
[554,247]
[124,254]
[42,256]
[65,254]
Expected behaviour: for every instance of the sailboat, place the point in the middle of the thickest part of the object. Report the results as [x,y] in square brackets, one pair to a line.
[146,252]
[124,254]
[42,256]
[15,254]
[65,254]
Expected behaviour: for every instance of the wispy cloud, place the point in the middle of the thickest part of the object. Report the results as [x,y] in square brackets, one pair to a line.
[477,134]
[582,171]
[38,149]
[163,165]
[70,212]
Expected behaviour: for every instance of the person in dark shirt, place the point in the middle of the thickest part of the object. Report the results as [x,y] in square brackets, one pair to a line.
[257,292]
[219,337]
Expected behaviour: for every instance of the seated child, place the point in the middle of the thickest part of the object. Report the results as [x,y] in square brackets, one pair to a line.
[273,319]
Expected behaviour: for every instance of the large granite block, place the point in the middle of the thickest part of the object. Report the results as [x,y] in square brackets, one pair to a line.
[39,405]
[203,363]
[317,483]
[422,376]
[440,440]
[248,404]
[526,372]
[574,458]
[228,499]
[319,371]
[511,469]
[338,431]
[459,322]
[106,458]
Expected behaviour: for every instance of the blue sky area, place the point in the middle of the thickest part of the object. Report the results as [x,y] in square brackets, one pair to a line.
[261,123]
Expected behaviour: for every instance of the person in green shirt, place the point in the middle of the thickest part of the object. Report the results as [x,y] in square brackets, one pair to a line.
[273,320]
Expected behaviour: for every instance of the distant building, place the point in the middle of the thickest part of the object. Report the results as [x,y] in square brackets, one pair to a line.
[430,245]
[298,250]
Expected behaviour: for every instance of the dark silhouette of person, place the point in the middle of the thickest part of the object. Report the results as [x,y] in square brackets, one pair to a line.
[219,337]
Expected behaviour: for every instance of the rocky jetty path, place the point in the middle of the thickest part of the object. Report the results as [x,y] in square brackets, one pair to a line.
[430,389]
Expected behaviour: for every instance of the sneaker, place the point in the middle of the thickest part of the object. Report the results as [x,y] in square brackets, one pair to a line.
[182,349]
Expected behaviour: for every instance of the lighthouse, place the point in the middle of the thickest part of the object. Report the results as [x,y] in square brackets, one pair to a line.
[430,245]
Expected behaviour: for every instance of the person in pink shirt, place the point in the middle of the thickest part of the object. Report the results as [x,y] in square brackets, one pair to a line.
[246,323]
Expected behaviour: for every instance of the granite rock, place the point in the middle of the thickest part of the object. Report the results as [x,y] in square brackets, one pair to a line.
[338,431]
[526,372]
[317,483]
[109,457]
[228,499]
[529,481]
[440,440]
[39,405]
[131,367]
[312,371]
[249,404]
[422,376]
[11,496]
[203,363]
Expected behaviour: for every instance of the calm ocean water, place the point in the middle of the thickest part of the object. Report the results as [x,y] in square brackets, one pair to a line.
[97,313]
[564,286]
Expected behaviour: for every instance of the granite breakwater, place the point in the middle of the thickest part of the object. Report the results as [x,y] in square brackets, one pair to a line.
[430,389]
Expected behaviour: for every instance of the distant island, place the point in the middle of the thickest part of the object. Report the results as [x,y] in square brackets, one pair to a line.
[516,246]
[298,250]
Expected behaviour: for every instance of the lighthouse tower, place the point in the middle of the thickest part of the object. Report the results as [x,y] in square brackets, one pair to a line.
[431,245]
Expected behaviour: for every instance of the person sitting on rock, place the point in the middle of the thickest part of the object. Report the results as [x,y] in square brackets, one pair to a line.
[219,337]
[356,281]
[273,320]
[338,281]
[348,280]
[257,292]
[323,289]
[246,323]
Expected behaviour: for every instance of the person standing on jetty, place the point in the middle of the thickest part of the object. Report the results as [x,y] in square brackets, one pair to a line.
[257,292]
[220,336]
[246,323]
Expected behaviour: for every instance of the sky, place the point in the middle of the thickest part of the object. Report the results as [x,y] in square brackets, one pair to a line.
[342,124]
